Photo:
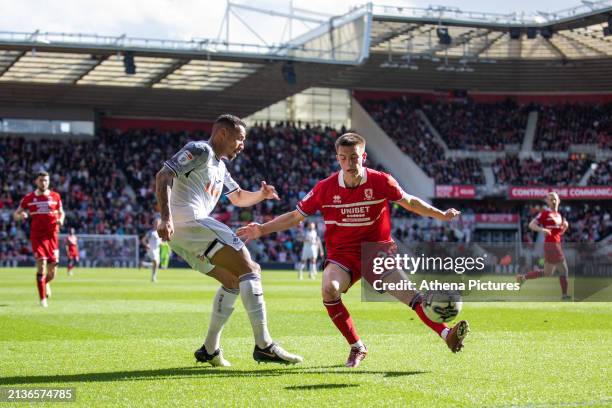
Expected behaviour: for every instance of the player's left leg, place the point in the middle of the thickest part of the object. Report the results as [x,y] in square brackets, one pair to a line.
[312,274]
[154,271]
[337,280]
[563,275]
[452,336]
[51,271]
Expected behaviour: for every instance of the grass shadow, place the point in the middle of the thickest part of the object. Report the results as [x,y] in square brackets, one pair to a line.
[194,372]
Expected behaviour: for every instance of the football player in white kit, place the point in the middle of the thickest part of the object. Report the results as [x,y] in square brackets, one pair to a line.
[310,251]
[188,187]
[152,242]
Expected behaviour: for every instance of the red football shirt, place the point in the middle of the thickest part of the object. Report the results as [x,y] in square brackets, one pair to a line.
[353,215]
[553,221]
[71,243]
[44,211]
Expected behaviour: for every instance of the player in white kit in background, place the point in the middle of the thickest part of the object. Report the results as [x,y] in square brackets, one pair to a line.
[188,187]
[152,242]
[310,251]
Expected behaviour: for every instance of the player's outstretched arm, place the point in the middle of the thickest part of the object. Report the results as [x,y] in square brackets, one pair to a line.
[163,188]
[242,198]
[418,206]
[280,223]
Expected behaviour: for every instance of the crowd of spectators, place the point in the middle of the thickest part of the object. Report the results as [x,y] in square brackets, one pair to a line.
[561,125]
[549,172]
[108,184]
[399,119]
[602,174]
[468,125]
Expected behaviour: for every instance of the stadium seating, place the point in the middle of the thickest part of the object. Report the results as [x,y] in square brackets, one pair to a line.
[548,172]
[559,126]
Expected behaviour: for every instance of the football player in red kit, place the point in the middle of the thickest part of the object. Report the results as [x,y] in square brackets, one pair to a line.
[45,208]
[354,205]
[553,225]
[72,250]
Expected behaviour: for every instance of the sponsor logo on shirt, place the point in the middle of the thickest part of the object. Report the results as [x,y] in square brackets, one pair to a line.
[185,158]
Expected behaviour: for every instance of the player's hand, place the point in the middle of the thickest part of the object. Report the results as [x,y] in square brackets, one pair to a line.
[165,230]
[451,214]
[249,232]
[546,231]
[269,192]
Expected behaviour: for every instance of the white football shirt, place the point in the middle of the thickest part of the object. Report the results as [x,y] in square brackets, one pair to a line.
[200,179]
[154,240]
[310,237]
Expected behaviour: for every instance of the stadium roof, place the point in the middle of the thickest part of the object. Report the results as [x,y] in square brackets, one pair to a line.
[384,47]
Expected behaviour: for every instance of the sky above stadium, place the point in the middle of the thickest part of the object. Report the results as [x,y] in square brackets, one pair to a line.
[186,19]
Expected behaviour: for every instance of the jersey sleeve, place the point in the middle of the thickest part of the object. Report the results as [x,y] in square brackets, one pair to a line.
[25,201]
[311,202]
[540,218]
[188,158]
[229,183]
[393,191]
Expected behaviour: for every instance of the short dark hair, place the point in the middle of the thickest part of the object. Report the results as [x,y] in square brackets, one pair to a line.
[230,121]
[350,139]
[42,173]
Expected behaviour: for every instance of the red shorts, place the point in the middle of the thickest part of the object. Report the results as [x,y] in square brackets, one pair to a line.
[553,253]
[354,262]
[73,254]
[46,247]
[350,264]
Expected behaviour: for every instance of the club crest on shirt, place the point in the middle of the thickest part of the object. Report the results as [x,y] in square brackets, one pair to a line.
[337,199]
[368,193]
[185,158]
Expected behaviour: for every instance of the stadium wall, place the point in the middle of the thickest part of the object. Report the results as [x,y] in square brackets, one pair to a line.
[125,124]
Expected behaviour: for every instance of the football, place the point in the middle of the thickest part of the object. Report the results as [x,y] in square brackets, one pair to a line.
[442,306]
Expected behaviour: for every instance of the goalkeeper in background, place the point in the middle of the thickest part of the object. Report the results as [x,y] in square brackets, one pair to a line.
[164,255]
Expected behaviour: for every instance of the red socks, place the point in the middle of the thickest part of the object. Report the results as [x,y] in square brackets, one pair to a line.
[41,285]
[342,319]
[437,327]
[534,275]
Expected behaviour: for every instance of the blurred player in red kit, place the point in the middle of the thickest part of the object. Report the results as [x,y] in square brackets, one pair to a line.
[553,225]
[45,208]
[72,250]
[354,205]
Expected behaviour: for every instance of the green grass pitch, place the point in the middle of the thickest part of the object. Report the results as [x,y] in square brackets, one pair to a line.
[123,341]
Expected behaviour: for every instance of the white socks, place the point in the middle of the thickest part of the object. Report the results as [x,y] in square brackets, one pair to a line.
[222,308]
[359,344]
[445,333]
[251,294]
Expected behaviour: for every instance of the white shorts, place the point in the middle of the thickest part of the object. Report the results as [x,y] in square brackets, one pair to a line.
[153,255]
[309,252]
[199,240]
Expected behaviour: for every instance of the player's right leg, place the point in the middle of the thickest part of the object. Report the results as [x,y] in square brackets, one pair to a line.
[239,263]
[337,280]
[222,308]
[41,285]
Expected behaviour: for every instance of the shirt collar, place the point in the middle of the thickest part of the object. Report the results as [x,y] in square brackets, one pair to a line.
[364,177]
